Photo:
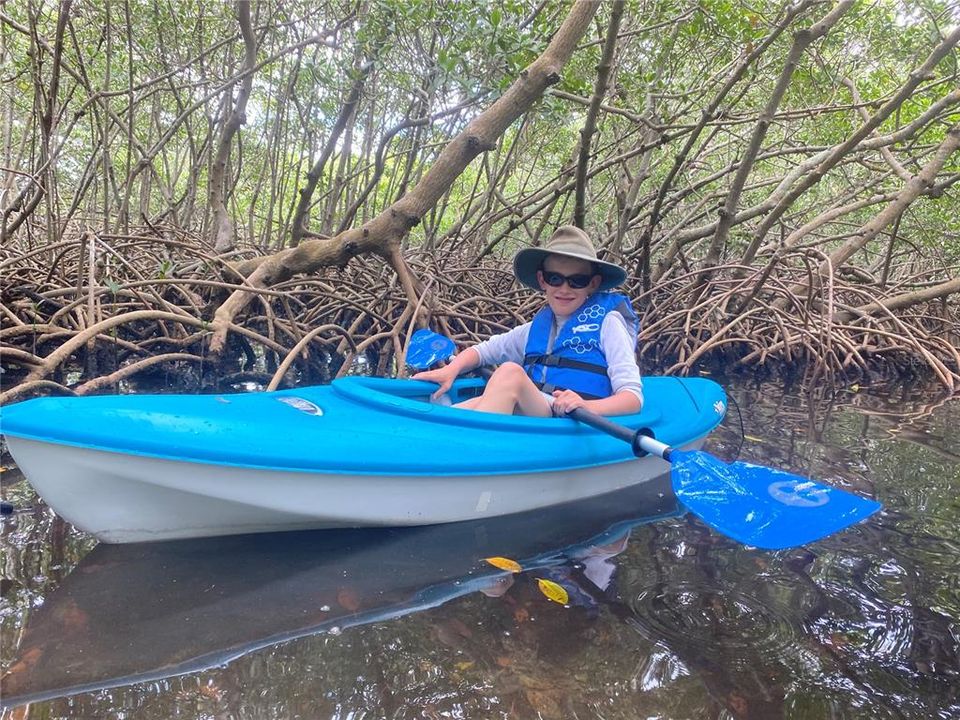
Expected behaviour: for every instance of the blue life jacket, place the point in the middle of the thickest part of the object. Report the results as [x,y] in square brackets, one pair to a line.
[577,361]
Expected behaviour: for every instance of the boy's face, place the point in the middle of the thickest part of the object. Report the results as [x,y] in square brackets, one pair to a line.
[564,300]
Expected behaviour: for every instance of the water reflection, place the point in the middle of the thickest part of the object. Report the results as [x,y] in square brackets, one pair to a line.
[133,613]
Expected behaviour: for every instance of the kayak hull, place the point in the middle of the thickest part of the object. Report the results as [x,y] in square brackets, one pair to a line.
[362,452]
[123,498]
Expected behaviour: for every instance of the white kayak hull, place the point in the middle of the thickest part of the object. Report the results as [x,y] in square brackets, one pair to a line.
[123,498]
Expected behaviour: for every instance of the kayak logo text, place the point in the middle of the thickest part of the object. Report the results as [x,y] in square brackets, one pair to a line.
[302,405]
[802,494]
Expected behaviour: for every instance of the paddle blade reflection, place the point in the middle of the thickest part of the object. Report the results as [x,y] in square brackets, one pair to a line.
[760,506]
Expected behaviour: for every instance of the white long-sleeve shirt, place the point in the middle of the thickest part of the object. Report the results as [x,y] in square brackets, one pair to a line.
[616,342]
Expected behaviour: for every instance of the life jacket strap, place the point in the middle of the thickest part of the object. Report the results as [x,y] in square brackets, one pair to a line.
[558,361]
[550,387]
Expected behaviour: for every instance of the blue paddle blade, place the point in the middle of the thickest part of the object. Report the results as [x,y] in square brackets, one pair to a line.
[427,348]
[762,507]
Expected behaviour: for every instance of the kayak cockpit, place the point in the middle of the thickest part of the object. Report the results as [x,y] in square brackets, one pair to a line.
[412,398]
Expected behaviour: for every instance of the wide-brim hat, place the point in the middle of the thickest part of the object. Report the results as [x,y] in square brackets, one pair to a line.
[568,241]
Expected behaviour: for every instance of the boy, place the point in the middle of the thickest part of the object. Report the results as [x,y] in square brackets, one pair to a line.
[578,351]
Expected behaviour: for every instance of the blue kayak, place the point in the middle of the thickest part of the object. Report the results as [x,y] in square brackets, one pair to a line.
[358,452]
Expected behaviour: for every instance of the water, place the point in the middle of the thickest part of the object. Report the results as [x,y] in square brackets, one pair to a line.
[665,618]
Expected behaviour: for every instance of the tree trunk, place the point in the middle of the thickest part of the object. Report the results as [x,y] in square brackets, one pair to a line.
[313,177]
[222,230]
[385,231]
[911,191]
[590,124]
[888,108]
[801,41]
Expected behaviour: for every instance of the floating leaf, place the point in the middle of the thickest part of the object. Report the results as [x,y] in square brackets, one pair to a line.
[553,591]
[348,599]
[504,564]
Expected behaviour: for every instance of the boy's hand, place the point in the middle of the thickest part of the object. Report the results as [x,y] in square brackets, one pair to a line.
[565,401]
[443,376]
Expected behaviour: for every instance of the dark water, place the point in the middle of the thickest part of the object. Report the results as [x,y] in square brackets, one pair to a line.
[665,619]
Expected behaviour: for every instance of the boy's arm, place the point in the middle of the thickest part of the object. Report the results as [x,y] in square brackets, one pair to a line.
[505,347]
[624,402]
[619,348]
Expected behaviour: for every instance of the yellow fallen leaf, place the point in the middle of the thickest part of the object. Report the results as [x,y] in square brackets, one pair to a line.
[461,666]
[553,591]
[504,564]
[752,438]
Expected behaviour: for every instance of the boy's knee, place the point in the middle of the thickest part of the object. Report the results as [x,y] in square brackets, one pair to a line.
[510,372]
[509,377]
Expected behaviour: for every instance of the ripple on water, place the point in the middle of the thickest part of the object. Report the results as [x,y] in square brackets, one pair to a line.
[739,626]
[882,608]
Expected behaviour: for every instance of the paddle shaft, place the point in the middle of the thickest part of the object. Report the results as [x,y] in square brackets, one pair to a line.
[641,443]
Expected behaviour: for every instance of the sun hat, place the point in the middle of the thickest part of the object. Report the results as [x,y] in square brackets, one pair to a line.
[569,241]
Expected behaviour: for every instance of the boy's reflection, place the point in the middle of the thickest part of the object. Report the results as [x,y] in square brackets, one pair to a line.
[586,566]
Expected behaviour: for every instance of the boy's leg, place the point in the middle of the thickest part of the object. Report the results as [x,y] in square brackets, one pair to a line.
[470,404]
[510,391]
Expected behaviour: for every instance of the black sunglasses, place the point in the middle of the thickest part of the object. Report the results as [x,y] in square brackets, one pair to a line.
[555,279]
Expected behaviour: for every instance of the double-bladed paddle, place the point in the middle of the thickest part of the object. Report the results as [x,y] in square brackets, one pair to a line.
[755,505]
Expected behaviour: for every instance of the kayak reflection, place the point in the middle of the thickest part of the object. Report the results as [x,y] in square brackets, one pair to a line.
[134,613]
